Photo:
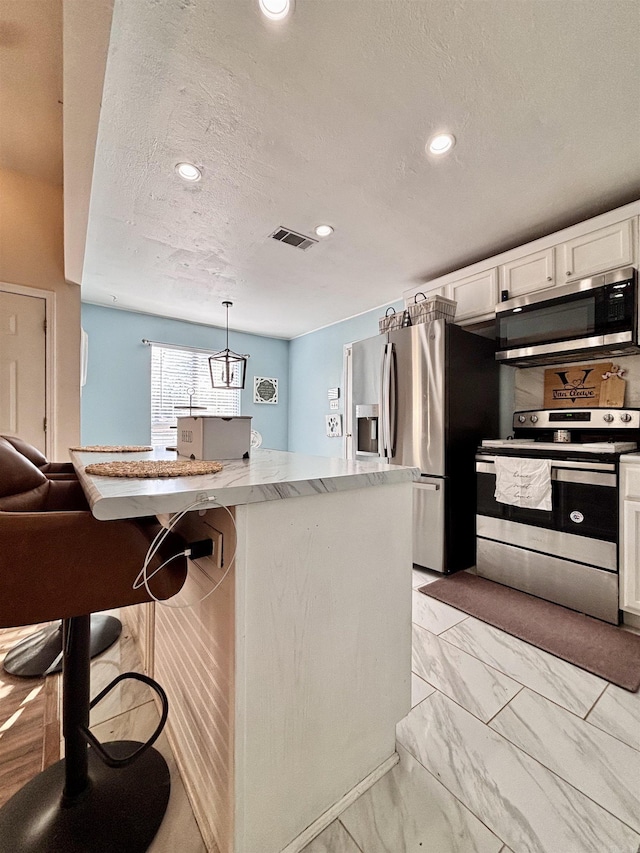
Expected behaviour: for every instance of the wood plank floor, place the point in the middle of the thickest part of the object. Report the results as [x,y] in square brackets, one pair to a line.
[29,721]
[30,740]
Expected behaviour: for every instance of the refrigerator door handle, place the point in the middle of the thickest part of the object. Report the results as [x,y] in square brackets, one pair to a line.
[383,403]
[387,404]
[393,401]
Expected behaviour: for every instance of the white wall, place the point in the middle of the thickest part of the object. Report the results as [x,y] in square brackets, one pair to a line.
[31,254]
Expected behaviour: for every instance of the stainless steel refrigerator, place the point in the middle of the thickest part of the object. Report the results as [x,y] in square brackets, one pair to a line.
[426,396]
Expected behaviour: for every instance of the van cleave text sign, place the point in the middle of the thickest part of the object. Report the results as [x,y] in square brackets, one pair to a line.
[583,386]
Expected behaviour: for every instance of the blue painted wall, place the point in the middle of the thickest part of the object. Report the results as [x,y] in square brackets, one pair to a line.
[315,365]
[116,401]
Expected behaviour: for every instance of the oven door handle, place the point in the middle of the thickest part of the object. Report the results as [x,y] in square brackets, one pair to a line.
[601,477]
[588,478]
[557,463]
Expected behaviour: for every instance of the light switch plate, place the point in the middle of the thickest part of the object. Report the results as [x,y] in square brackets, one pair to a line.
[334,425]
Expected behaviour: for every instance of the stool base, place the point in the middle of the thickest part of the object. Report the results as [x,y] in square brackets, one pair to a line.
[40,653]
[121,811]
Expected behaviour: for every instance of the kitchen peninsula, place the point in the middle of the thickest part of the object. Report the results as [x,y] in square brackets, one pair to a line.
[285,685]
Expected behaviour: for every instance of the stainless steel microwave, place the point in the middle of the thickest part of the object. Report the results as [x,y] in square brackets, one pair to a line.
[594,317]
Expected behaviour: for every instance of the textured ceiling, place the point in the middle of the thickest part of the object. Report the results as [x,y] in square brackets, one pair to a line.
[323,119]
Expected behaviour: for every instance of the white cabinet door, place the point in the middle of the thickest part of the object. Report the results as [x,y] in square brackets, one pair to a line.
[630,558]
[598,251]
[427,291]
[476,295]
[525,275]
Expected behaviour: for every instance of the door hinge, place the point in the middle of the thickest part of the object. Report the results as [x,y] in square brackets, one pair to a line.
[44,325]
[44,424]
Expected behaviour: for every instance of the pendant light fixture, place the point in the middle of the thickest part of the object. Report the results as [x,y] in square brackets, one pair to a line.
[234,366]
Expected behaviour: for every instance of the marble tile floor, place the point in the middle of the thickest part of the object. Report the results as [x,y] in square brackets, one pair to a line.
[506,750]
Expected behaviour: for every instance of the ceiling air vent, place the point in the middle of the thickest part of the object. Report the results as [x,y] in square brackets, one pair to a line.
[286,235]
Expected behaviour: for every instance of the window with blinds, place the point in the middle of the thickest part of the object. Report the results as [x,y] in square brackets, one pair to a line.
[175,373]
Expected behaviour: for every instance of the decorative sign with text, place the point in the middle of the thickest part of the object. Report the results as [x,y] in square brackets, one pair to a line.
[582,386]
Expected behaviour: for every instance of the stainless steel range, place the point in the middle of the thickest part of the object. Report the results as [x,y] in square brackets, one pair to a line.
[547,506]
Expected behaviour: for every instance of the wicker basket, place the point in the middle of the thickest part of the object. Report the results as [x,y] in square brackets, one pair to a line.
[391,321]
[431,308]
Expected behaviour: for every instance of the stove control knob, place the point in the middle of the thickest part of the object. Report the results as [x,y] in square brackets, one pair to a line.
[534,419]
[608,418]
[521,419]
[625,417]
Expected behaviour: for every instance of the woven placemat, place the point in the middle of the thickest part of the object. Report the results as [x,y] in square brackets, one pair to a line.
[108,448]
[154,468]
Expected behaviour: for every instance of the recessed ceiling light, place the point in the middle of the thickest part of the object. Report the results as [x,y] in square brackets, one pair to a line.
[323,230]
[275,10]
[441,143]
[188,172]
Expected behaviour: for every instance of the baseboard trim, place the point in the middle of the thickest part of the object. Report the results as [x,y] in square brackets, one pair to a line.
[630,619]
[336,809]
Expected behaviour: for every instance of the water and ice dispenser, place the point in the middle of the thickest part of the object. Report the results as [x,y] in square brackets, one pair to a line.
[367,429]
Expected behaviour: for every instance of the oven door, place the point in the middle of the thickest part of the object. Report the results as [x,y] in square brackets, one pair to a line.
[568,555]
[584,499]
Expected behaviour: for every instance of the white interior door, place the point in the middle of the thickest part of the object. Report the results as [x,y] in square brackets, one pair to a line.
[23,367]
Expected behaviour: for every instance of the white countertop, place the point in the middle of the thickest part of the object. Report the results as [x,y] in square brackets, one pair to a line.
[268,475]
[631,458]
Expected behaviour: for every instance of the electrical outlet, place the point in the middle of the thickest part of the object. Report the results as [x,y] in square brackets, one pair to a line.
[334,404]
[216,537]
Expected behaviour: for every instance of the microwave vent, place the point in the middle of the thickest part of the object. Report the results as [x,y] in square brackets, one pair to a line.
[292,238]
[593,353]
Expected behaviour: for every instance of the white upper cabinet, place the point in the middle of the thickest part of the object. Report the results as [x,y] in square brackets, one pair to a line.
[525,275]
[476,295]
[598,251]
[603,243]
[428,291]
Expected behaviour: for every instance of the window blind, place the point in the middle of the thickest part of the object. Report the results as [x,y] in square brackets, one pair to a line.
[174,373]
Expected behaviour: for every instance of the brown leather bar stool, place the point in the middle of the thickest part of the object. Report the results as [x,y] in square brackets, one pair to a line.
[53,470]
[40,654]
[58,561]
